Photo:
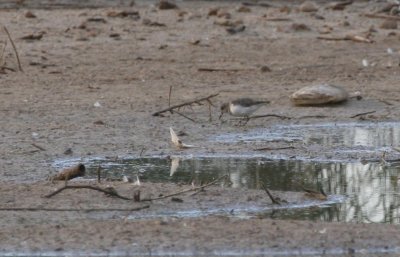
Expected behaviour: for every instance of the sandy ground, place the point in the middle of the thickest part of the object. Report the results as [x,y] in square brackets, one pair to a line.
[92,81]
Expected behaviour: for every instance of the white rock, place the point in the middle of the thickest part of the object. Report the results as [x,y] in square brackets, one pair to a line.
[319,94]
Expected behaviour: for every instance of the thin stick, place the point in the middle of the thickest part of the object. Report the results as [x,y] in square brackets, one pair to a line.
[184,104]
[15,49]
[169,96]
[183,115]
[186,190]
[270,115]
[222,69]
[106,191]
[274,201]
[71,209]
[361,114]
[381,16]
[38,147]
[272,149]
[277,19]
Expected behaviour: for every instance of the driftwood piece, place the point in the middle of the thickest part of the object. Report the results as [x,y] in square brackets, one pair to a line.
[70,173]
[354,38]
[196,101]
[108,191]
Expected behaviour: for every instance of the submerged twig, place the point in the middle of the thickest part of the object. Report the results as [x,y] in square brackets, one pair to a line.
[107,191]
[172,108]
[186,190]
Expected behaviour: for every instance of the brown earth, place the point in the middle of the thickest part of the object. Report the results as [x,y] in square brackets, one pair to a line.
[127,65]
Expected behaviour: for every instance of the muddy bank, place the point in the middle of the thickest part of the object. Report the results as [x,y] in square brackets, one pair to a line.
[93,77]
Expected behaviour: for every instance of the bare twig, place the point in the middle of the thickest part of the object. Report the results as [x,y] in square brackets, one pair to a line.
[169,96]
[270,115]
[273,149]
[171,108]
[38,147]
[267,5]
[273,199]
[312,116]
[277,19]
[183,115]
[222,69]
[381,16]
[15,49]
[107,191]
[72,209]
[186,190]
[361,114]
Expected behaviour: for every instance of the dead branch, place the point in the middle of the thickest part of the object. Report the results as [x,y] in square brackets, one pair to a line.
[361,114]
[171,108]
[381,16]
[107,191]
[273,199]
[313,116]
[186,190]
[15,48]
[72,209]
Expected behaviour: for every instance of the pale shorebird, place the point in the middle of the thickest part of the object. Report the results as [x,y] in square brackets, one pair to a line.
[242,107]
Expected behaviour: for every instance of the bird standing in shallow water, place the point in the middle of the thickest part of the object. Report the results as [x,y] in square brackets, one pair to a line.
[242,107]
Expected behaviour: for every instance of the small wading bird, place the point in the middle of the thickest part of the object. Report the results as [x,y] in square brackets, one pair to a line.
[242,107]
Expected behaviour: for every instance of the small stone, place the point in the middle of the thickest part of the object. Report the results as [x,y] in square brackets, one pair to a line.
[300,27]
[30,15]
[308,7]
[265,69]
[389,24]
[225,15]
[165,5]
[213,11]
